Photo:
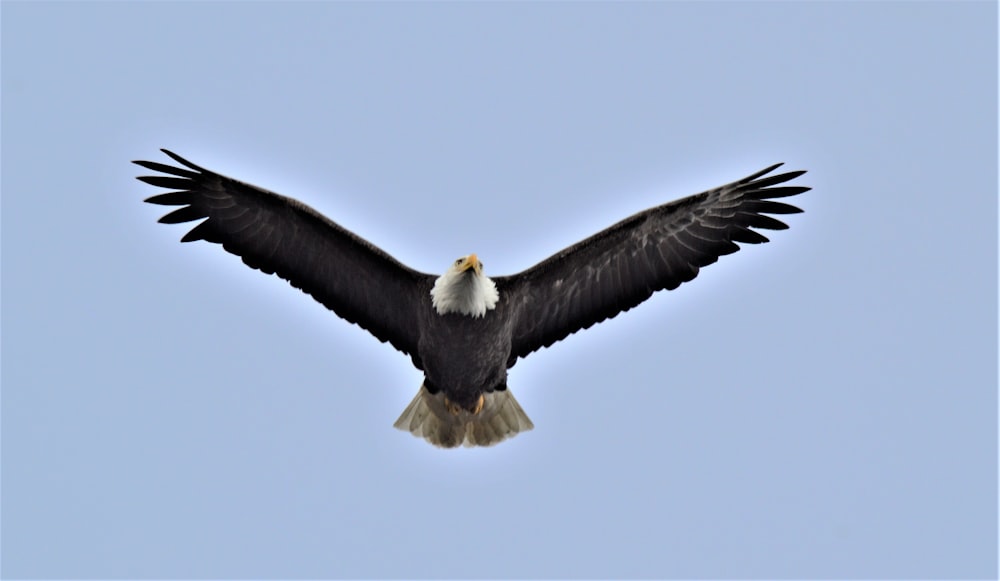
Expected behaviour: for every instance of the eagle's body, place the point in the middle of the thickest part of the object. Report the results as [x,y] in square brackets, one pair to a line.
[463,329]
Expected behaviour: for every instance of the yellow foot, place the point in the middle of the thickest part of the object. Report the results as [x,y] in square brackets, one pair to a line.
[451,406]
[479,405]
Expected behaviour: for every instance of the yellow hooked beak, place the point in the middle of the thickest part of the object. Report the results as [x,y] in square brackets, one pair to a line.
[470,261]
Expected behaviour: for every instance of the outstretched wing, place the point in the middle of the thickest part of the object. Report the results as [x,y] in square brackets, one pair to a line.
[279,235]
[620,267]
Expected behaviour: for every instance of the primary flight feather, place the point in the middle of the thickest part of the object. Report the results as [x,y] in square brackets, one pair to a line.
[463,329]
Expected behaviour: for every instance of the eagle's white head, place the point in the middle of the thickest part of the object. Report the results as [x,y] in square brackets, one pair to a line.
[464,289]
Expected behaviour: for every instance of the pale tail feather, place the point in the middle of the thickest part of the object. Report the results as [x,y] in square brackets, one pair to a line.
[428,418]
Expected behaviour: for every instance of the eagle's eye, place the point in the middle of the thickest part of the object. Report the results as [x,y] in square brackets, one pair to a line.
[459,261]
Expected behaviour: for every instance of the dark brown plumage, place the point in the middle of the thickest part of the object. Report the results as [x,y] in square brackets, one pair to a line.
[465,350]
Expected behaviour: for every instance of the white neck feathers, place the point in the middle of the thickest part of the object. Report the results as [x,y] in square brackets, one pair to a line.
[466,293]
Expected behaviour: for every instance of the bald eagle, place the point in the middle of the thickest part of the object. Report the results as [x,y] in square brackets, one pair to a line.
[462,329]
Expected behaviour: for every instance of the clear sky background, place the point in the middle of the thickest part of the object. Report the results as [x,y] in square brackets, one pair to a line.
[821,406]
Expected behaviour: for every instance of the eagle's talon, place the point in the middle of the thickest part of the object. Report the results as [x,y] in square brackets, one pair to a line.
[451,406]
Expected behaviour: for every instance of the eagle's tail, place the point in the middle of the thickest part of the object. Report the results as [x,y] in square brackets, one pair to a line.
[428,416]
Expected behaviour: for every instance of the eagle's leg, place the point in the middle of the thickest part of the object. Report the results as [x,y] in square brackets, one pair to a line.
[455,409]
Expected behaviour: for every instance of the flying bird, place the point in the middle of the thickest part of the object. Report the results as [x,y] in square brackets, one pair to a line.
[463,329]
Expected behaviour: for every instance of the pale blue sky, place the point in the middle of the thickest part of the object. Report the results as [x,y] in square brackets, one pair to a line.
[821,406]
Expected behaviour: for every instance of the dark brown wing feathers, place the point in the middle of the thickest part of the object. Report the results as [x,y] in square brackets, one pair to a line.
[279,235]
[660,248]
[595,279]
